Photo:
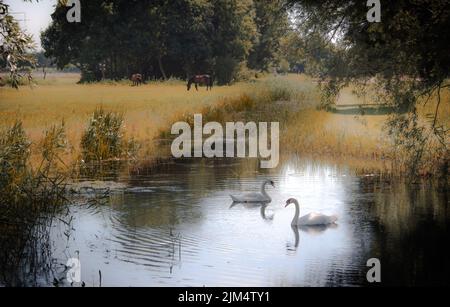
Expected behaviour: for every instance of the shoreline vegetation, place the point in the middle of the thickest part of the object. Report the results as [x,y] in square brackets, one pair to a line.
[142,118]
[57,134]
[370,98]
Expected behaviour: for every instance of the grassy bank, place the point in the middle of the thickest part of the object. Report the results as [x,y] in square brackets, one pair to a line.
[145,108]
[359,141]
[306,130]
[150,110]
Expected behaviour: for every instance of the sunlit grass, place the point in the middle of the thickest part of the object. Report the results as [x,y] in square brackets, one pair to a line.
[145,108]
[150,110]
[306,130]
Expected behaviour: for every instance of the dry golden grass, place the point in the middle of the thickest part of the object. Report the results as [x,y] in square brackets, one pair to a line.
[146,108]
[152,108]
[360,141]
[335,135]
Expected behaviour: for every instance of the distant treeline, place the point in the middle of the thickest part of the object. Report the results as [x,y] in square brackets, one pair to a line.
[162,39]
[41,63]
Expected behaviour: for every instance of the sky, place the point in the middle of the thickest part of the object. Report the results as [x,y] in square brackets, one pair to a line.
[33,17]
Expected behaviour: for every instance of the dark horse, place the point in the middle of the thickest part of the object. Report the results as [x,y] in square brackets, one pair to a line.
[137,79]
[202,80]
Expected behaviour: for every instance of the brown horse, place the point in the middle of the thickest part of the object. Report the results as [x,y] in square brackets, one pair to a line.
[137,79]
[202,80]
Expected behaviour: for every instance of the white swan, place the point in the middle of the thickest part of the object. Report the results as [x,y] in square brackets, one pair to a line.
[261,197]
[312,219]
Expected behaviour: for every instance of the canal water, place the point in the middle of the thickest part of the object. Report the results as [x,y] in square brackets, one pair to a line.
[175,225]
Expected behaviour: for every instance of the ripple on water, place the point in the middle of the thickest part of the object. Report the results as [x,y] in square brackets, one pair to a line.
[176,227]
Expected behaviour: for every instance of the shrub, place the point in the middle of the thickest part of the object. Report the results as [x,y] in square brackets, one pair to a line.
[104,138]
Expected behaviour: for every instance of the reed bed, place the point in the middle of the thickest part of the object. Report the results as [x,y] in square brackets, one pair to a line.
[29,199]
[149,111]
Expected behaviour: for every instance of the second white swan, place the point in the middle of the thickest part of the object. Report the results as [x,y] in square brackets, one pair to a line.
[261,197]
[312,219]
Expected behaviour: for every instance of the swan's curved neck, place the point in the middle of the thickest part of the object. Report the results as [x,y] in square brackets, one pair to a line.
[297,214]
[263,190]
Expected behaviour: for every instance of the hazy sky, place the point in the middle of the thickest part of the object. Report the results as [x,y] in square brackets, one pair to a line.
[37,15]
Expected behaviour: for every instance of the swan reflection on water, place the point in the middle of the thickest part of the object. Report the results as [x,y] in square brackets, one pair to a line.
[266,214]
[312,224]
[310,230]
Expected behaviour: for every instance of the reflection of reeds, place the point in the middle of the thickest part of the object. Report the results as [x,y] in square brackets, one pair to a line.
[29,198]
[411,221]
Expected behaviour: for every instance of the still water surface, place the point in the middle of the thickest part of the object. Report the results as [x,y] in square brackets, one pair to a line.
[175,225]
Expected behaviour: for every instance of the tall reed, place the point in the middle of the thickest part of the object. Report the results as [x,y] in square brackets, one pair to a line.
[104,138]
[29,199]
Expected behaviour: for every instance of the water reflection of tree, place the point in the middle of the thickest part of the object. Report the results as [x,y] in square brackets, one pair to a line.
[411,234]
[177,187]
[164,196]
[403,225]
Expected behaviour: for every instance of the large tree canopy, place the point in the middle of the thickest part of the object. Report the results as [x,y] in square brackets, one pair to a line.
[407,56]
[411,39]
[165,38]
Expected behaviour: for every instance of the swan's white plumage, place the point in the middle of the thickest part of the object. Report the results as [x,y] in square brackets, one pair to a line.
[261,197]
[250,198]
[316,219]
[312,219]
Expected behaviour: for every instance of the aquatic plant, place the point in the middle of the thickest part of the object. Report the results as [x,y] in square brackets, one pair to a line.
[104,138]
[29,199]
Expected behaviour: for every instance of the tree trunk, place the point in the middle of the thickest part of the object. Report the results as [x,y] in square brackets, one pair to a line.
[161,68]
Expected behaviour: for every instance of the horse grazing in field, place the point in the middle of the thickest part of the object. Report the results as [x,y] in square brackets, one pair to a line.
[137,79]
[202,80]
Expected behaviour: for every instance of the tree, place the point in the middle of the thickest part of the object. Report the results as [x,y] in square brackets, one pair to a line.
[89,44]
[15,45]
[156,38]
[187,37]
[272,24]
[233,36]
[406,54]
[310,54]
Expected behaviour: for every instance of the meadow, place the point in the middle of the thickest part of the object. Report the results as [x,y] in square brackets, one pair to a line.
[60,98]
[151,109]
[40,161]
